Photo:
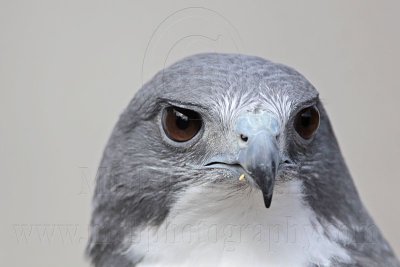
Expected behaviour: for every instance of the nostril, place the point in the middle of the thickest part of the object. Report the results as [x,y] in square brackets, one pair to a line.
[287,162]
[244,138]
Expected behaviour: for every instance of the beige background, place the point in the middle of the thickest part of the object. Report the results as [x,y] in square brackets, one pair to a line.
[68,68]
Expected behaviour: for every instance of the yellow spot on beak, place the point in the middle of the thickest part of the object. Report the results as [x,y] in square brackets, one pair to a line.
[242,178]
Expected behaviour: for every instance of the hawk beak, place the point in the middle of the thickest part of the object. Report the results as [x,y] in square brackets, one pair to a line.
[259,157]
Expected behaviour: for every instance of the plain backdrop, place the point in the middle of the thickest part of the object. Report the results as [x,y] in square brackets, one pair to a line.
[68,69]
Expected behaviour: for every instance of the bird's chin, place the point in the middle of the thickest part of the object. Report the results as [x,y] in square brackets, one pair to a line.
[239,176]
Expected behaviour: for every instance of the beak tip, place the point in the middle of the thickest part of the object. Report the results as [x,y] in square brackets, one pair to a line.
[267,200]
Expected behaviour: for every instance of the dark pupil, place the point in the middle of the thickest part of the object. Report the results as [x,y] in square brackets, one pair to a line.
[182,121]
[306,119]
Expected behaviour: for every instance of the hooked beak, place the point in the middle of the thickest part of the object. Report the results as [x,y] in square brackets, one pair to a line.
[259,158]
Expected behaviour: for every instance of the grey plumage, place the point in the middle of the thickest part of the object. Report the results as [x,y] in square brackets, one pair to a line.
[142,172]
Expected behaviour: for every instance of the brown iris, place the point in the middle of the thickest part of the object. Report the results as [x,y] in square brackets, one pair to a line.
[307,122]
[181,124]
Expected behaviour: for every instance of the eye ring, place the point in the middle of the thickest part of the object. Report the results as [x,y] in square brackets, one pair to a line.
[307,122]
[180,124]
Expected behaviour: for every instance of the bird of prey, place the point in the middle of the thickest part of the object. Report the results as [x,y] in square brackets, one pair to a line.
[229,160]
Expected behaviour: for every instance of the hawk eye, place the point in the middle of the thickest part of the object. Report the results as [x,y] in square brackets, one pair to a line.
[181,124]
[307,122]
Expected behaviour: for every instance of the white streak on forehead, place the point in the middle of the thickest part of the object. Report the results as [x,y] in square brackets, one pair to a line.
[279,104]
[231,104]
[234,103]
